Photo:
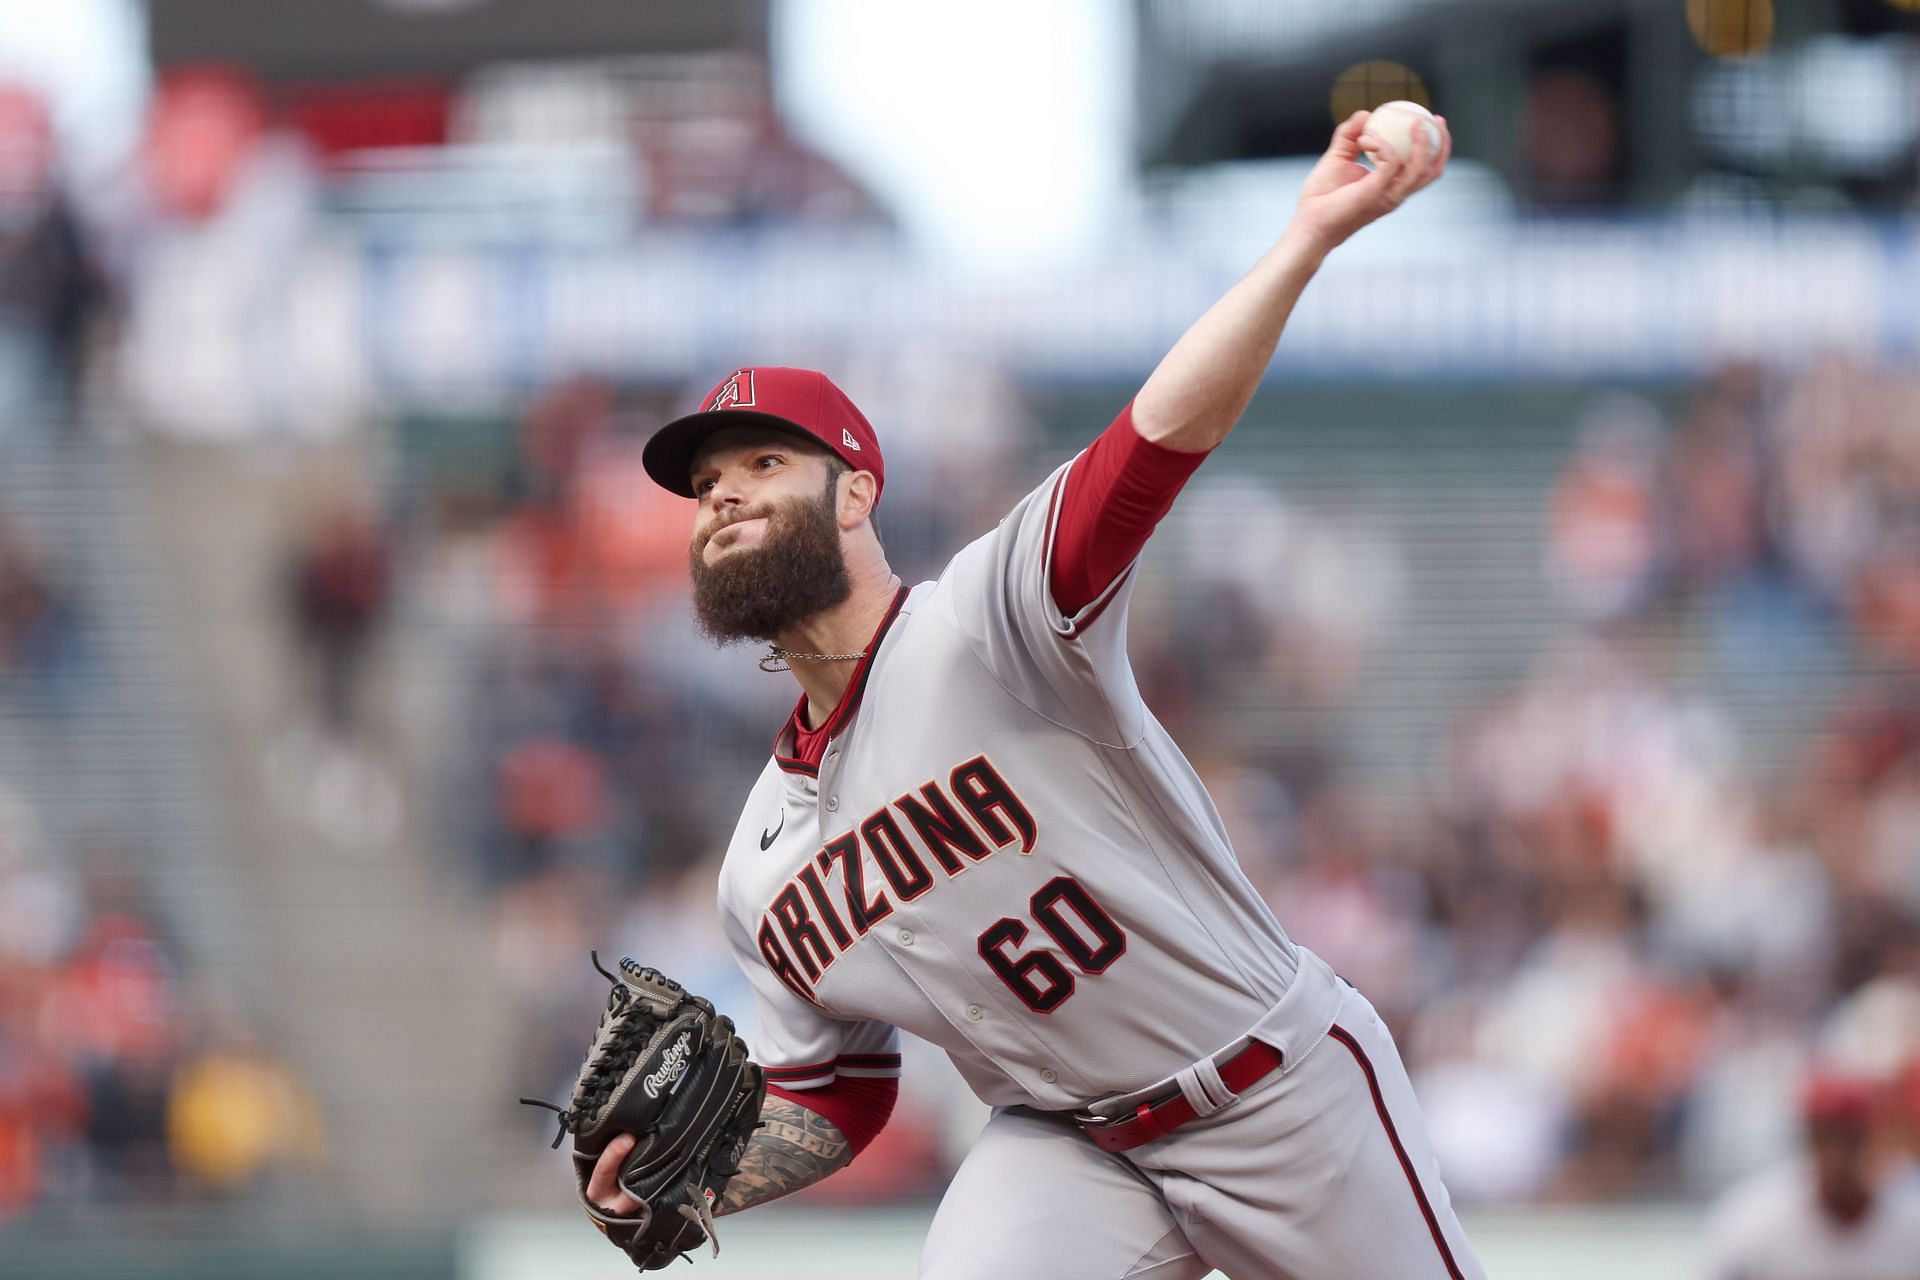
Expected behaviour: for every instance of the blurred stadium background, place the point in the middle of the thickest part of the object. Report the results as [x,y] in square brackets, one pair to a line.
[1549,633]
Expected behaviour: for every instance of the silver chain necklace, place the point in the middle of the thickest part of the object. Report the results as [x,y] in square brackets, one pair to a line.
[776,658]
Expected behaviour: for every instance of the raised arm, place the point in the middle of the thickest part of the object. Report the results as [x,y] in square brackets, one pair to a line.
[1128,478]
[1198,392]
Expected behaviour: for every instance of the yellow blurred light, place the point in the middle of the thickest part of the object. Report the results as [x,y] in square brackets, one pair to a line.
[1368,84]
[1732,28]
[1911,6]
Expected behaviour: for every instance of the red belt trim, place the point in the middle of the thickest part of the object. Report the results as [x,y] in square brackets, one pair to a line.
[1152,1121]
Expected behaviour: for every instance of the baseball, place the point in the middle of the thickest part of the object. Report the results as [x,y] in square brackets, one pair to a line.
[1393,122]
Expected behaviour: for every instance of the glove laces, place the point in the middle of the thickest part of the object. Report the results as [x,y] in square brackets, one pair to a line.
[590,1096]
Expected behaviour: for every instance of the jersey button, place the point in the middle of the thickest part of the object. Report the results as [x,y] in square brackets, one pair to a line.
[833,803]
[975,1012]
[906,937]
[1049,1075]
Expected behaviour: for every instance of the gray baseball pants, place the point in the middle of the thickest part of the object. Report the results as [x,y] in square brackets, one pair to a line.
[1319,1171]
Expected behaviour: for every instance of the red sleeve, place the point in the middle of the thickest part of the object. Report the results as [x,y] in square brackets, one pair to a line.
[858,1106]
[1113,496]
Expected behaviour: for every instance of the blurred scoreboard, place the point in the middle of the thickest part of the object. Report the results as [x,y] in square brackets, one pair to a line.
[364,76]
[367,39]
[1601,104]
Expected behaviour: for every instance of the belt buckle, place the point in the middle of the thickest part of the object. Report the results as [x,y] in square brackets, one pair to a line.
[1088,1120]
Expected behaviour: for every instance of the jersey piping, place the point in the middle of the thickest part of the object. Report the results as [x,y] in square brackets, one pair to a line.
[1087,614]
[1399,1150]
[817,1075]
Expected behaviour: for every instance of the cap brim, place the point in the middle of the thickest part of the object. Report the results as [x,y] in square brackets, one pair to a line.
[669,452]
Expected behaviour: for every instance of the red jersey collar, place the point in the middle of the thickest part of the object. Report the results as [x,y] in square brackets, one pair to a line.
[809,745]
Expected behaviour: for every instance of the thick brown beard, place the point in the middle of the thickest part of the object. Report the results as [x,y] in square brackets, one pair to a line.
[797,571]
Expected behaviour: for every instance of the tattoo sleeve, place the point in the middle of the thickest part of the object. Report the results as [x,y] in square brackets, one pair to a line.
[793,1148]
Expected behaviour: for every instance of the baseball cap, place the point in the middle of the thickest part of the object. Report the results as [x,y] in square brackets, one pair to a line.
[802,401]
[1832,1095]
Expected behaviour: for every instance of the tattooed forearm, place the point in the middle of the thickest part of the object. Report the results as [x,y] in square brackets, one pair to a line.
[793,1148]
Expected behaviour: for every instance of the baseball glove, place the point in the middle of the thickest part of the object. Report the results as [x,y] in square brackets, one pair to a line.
[667,1069]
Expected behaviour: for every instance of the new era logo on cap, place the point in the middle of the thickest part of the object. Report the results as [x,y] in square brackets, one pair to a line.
[801,401]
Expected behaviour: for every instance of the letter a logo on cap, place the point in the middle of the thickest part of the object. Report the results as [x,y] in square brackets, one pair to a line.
[846,438]
[735,393]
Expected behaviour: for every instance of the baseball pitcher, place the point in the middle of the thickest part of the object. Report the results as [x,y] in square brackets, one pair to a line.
[972,829]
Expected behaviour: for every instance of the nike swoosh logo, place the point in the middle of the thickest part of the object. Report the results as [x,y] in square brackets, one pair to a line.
[768,837]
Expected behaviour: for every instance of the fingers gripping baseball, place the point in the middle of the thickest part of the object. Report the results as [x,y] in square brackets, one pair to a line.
[1341,195]
[1410,173]
[1346,144]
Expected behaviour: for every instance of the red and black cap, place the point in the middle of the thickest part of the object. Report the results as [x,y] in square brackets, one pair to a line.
[1836,1096]
[800,401]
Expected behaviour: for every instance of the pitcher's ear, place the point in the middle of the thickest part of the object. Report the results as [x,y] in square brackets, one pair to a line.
[858,493]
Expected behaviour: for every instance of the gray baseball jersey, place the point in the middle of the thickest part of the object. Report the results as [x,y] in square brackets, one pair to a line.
[1002,852]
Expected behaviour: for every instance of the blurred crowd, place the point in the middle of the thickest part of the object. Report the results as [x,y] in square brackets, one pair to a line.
[1773,501]
[121,1081]
[126,1078]
[154,275]
[1612,936]
[50,284]
[40,634]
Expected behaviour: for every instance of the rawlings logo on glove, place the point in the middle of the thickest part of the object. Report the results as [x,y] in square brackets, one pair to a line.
[668,1069]
[671,1069]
